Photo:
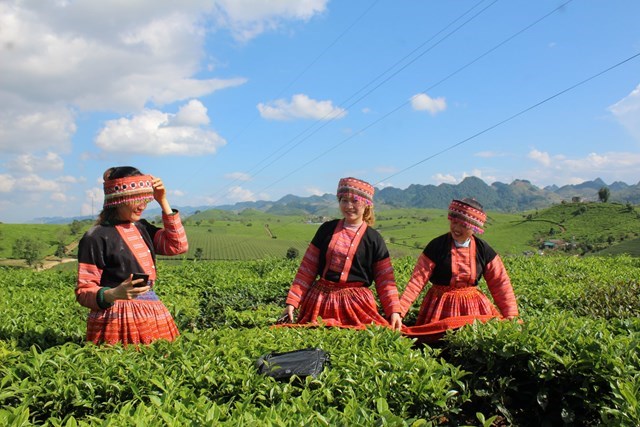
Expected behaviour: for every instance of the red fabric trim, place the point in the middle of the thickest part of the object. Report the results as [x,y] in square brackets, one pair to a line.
[335,238]
[499,285]
[386,286]
[305,276]
[435,330]
[88,285]
[172,239]
[139,249]
[419,278]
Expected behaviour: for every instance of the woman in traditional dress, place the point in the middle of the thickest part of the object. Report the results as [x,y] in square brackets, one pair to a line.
[120,244]
[454,263]
[344,258]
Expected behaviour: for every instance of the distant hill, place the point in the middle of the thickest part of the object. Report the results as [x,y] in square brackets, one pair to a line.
[518,196]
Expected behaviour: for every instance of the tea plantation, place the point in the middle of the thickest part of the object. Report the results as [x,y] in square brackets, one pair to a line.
[572,359]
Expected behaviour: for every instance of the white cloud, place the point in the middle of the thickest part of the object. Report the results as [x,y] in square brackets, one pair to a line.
[384,185]
[192,114]
[156,133]
[238,176]
[25,127]
[314,191]
[247,18]
[444,179]
[239,194]
[94,198]
[441,178]
[59,197]
[300,107]
[7,183]
[540,157]
[562,169]
[479,174]
[627,112]
[30,163]
[423,102]
[33,183]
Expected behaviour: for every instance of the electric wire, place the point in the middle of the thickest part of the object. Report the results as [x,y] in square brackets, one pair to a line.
[384,116]
[329,117]
[513,116]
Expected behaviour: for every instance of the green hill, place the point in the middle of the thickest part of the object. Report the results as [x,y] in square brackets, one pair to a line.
[572,228]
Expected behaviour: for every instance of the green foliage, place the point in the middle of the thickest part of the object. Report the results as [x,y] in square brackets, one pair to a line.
[572,360]
[28,249]
[292,253]
[603,194]
[557,368]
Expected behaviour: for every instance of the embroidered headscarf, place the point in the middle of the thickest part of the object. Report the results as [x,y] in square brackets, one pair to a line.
[468,213]
[360,190]
[131,189]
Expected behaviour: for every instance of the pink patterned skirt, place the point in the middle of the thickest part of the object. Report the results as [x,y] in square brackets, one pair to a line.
[348,305]
[139,321]
[446,307]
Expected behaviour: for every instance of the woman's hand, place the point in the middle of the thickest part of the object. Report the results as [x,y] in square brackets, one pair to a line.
[287,314]
[396,321]
[160,195]
[125,290]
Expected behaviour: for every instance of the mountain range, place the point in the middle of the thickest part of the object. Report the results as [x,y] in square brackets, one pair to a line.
[520,195]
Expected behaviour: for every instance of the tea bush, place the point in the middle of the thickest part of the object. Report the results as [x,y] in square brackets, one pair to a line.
[572,359]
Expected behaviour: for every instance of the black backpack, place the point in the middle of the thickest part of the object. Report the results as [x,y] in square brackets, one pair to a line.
[301,363]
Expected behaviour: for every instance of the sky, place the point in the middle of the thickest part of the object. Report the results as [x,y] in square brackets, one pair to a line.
[244,100]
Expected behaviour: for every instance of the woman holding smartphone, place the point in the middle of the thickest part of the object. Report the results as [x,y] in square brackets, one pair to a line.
[117,265]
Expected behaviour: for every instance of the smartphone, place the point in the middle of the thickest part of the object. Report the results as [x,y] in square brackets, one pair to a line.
[137,276]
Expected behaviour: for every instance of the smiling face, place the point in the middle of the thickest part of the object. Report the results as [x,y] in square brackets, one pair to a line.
[131,212]
[459,232]
[352,209]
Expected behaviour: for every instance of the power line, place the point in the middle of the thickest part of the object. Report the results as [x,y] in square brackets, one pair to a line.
[295,79]
[508,119]
[329,117]
[408,101]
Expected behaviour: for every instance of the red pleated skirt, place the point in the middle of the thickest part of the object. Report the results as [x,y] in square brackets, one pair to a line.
[348,305]
[139,321]
[446,307]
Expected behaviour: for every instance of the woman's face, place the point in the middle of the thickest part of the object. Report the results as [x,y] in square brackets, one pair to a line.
[352,209]
[459,232]
[131,212]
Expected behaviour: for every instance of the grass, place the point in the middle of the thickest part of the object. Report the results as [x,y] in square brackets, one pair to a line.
[603,228]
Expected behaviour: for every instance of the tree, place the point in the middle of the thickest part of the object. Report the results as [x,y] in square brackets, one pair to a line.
[292,253]
[603,194]
[27,249]
[75,227]
[198,254]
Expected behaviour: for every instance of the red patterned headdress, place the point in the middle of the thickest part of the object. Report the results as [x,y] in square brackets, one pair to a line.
[360,190]
[131,189]
[468,213]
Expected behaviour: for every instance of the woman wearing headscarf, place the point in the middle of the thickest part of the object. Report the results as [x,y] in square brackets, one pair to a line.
[125,309]
[454,263]
[345,257]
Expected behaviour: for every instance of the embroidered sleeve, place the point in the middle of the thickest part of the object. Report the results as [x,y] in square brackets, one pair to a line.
[386,286]
[500,287]
[421,274]
[305,276]
[172,239]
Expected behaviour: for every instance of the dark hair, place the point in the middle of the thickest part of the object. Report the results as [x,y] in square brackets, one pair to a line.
[120,172]
[110,214]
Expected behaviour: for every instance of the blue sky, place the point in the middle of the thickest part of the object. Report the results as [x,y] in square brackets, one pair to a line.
[240,100]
